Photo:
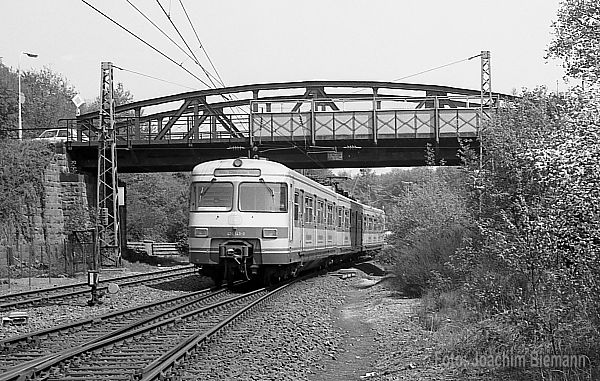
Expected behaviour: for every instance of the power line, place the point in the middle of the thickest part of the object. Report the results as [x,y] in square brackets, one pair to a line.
[220,80]
[201,45]
[186,44]
[162,31]
[146,43]
[436,68]
[428,70]
[149,76]
[167,36]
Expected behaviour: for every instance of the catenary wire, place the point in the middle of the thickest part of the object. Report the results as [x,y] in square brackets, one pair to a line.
[220,79]
[161,31]
[138,10]
[436,68]
[186,44]
[428,70]
[146,43]
[202,45]
[156,78]
[167,36]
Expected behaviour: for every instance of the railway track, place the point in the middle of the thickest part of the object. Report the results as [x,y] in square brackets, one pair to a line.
[147,349]
[36,347]
[44,296]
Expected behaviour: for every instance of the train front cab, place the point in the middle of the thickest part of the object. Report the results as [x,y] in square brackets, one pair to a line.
[238,223]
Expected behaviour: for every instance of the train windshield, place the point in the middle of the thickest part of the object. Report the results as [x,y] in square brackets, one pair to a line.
[263,197]
[206,196]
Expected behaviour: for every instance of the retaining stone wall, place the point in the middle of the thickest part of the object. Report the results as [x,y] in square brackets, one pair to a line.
[62,208]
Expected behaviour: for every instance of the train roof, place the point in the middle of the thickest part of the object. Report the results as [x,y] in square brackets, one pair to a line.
[268,168]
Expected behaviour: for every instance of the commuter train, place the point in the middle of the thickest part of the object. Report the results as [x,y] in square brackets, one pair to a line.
[257,219]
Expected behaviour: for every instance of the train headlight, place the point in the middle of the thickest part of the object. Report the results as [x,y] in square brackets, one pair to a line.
[201,232]
[237,163]
[269,233]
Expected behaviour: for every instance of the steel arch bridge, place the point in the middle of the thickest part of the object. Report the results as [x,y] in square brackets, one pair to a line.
[309,124]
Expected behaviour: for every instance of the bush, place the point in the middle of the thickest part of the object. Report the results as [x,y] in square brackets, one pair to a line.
[532,268]
[429,223]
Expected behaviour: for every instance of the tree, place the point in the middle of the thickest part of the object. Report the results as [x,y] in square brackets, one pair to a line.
[577,38]
[120,95]
[534,260]
[47,99]
[8,111]
[157,206]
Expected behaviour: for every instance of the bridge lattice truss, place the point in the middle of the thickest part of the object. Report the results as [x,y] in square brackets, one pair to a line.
[306,115]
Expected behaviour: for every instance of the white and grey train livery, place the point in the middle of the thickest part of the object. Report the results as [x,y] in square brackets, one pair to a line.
[259,219]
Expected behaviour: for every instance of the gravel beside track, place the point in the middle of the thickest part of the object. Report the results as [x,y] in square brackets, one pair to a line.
[324,328]
[139,351]
[285,340]
[53,295]
[75,309]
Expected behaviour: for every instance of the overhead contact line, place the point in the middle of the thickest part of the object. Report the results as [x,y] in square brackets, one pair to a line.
[146,43]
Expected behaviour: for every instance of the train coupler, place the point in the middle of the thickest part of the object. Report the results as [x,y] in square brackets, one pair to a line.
[236,250]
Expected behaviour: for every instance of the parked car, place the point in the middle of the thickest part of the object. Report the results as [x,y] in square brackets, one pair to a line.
[61,135]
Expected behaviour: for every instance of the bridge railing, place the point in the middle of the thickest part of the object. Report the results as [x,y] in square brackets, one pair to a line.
[374,118]
[151,131]
[307,120]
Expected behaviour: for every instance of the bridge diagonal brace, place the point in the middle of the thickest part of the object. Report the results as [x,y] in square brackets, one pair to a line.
[318,93]
[323,95]
[161,134]
[224,120]
[196,127]
[307,94]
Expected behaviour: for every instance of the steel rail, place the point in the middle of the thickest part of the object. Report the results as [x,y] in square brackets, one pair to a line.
[46,294]
[183,304]
[28,292]
[161,367]
[49,368]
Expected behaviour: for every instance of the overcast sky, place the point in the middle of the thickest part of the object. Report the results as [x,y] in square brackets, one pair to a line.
[279,40]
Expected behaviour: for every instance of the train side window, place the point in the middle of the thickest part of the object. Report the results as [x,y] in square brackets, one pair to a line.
[296,206]
[329,215]
[346,219]
[319,212]
[340,215]
[308,209]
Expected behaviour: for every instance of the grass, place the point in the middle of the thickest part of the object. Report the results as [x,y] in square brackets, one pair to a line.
[458,331]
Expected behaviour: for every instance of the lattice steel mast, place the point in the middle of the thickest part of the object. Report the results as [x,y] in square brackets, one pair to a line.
[486,101]
[486,81]
[107,222]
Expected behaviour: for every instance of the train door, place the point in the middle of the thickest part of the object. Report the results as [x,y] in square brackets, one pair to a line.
[353,226]
[300,217]
[359,229]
